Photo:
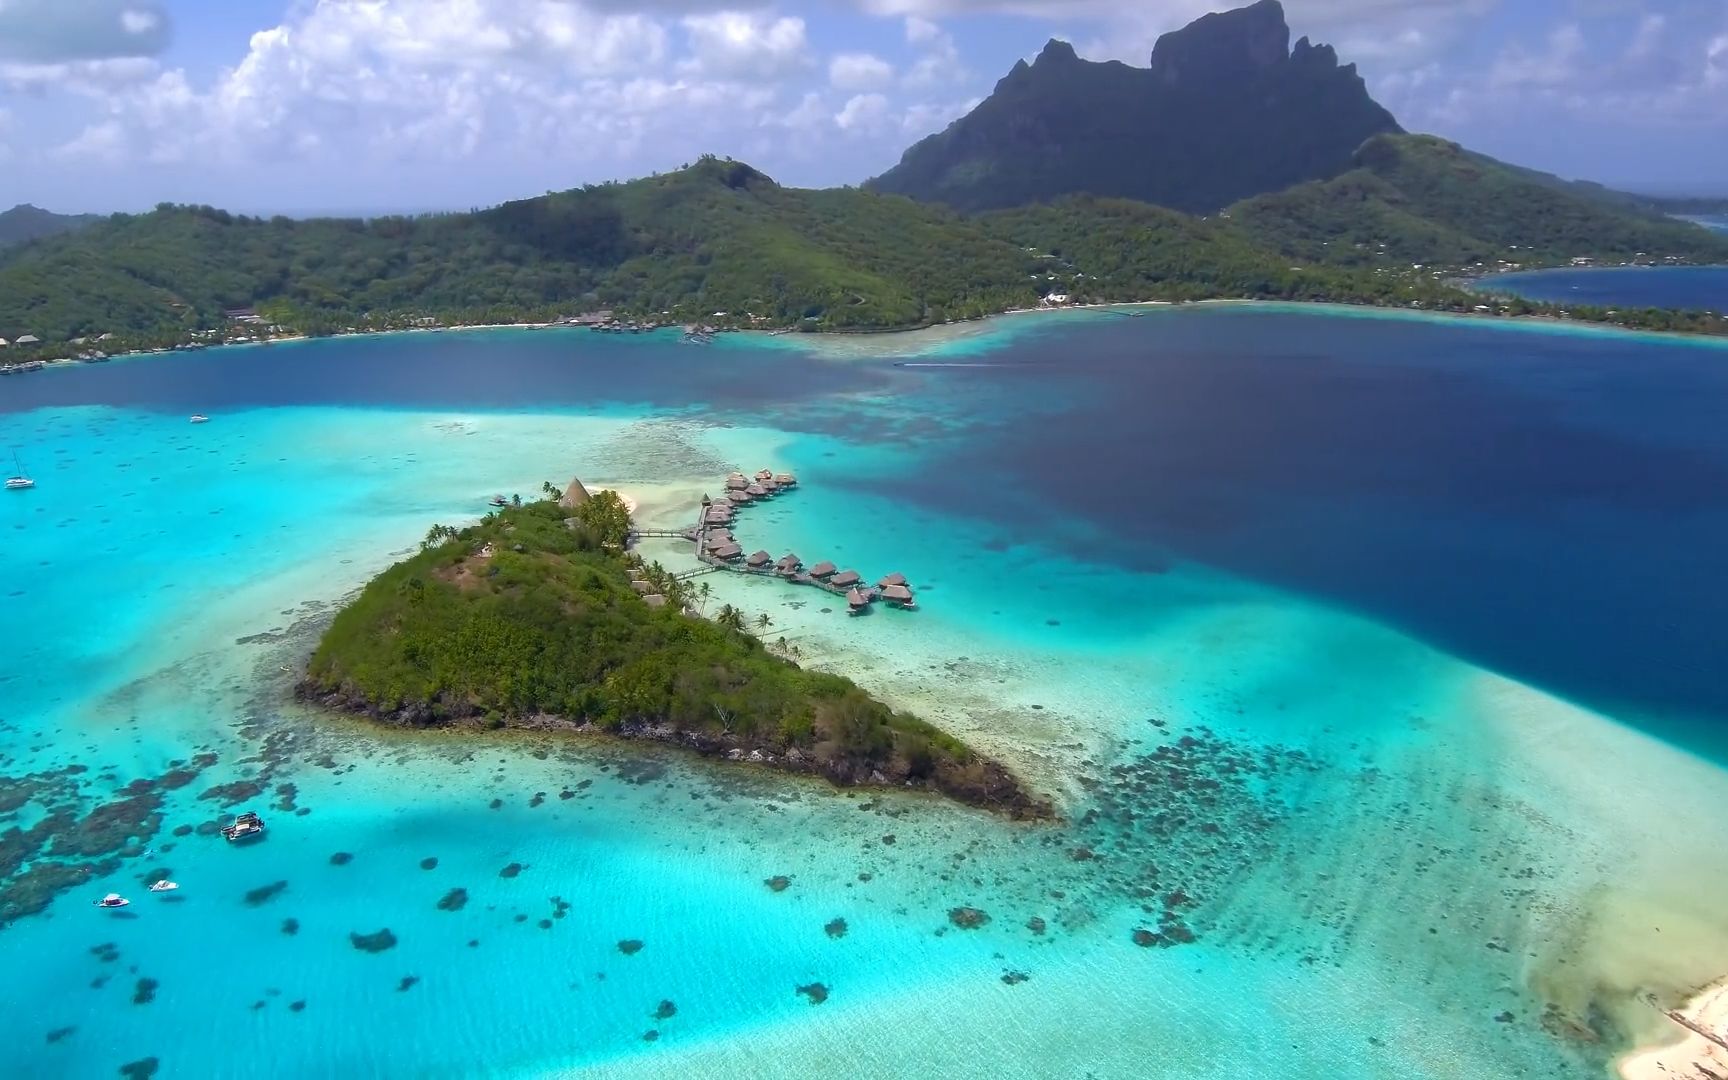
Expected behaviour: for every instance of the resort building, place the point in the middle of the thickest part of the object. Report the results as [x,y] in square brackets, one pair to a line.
[823,570]
[845,579]
[759,559]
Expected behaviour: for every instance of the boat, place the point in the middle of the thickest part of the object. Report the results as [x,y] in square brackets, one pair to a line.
[112,900]
[164,885]
[499,500]
[200,418]
[247,826]
[21,480]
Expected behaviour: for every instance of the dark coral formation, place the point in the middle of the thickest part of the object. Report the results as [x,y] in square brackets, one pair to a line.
[629,946]
[429,863]
[1014,978]
[967,918]
[511,871]
[341,858]
[778,883]
[145,992]
[816,992]
[263,894]
[376,942]
[407,982]
[666,1011]
[142,1069]
[836,928]
[290,926]
[454,900]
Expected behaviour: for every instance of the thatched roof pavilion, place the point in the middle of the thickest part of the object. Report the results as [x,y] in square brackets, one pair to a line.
[899,594]
[731,550]
[755,490]
[785,479]
[739,497]
[765,474]
[845,579]
[641,586]
[891,579]
[823,569]
[574,495]
[856,599]
[736,483]
[789,563]
[718,515]
[768,485]
[654,600]
[760,558]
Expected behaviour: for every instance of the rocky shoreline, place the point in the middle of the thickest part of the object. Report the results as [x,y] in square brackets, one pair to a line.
[982,783]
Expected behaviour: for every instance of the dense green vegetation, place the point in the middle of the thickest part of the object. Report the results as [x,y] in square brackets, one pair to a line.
[1420,199]
[546,622]
[25,222]
[1225,110]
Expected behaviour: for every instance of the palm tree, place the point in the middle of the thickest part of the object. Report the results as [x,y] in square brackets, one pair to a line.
[730,617]
[763,621]
[551,490]
[703,592]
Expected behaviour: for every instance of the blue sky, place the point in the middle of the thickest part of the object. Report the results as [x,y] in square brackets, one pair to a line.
[365,105]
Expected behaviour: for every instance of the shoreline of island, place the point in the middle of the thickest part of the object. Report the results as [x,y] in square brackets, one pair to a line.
[957,329]
[1699,1041]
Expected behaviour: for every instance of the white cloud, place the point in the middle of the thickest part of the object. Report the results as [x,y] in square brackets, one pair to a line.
[863,114]
[52,31]
[103,143]
[735,44]
[859,71]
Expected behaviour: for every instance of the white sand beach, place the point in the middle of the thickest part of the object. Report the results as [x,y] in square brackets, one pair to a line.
[1696,1056]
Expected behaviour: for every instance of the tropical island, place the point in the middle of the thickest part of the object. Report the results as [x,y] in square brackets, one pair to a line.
[533,619]
[1234,166]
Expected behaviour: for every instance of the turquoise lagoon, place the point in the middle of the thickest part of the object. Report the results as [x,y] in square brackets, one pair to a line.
[1385,646]
[1691,287]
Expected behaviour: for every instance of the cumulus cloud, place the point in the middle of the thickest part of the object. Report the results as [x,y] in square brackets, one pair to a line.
[737,44]
[44,32]
[859,71]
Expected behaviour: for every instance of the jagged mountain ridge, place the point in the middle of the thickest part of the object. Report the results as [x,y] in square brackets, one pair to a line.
[1227,109]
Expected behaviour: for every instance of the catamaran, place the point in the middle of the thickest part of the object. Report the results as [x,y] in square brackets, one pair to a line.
[21,480]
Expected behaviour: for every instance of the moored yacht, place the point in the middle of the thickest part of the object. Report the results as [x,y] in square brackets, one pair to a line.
[112,900]
[247,826]
[164,885]
[21,479]
[199,418]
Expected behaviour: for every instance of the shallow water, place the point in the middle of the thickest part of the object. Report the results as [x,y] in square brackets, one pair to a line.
[1690,287]
[1339,555]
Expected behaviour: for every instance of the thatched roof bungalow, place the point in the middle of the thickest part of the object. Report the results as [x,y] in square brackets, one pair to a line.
[857,599]
[823,569]
[759,558]
[731,550]
[898,594]
[891,579]
[738,498]
[641,586]
[755,491]
[785,479]
[574,494]
[789,563]
[765,474]
[845,579]
[736,483]
[654,600]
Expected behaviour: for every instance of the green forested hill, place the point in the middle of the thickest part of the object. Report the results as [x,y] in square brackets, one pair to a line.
[1420,199]
[24,223]
[716,236]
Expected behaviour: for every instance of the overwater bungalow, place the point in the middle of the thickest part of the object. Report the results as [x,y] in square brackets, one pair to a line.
[768,485]
[897,594]
[785,479]
[729,551]
[718,540]
[765,474]
[789,563]
[823,570]
[845,579]
[718,515]
[738,498]
[736,482]
[891,579]
[759,559]
[756,491]
[857,601]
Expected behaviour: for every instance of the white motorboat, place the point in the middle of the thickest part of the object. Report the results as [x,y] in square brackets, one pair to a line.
[112,900]
[248,826]
[200,418]
[164,885]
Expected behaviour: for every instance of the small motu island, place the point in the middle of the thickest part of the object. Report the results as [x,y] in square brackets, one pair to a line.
[539,617]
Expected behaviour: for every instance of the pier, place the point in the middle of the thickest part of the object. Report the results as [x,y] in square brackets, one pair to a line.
[720,552]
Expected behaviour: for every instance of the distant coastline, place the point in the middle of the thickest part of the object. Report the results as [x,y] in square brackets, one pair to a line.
[961,328]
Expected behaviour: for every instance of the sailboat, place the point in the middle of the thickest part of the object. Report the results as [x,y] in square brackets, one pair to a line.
[20,481]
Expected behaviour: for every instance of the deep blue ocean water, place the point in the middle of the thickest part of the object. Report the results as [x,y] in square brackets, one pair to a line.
[1691,287]
[1349,556]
